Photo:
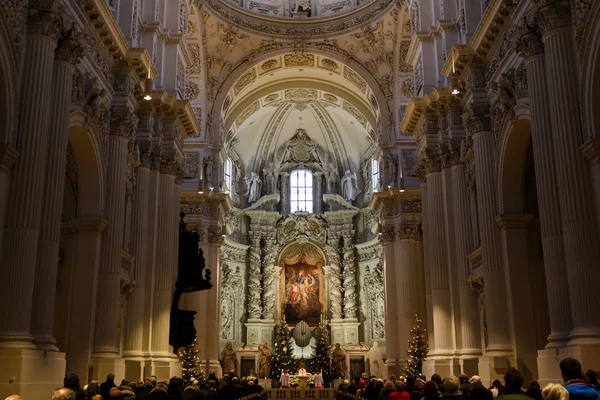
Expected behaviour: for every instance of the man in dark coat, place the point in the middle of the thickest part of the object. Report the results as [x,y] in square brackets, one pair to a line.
[107,385]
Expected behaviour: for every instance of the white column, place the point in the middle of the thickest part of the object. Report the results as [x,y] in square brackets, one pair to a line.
[334,276]
[88,241]
[106,351]
[133,339]
[532,51]
[439,274]
[428,317]
[580,233]
[254,282]
[22,228]
[42,315]
[499,341]
[163,274]
[393,354]
[469,323]
[269,277]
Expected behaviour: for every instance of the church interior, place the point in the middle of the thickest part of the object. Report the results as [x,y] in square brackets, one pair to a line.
[344,167]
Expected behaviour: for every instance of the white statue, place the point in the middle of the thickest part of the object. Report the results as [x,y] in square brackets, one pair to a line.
[375,360]
[392,165]
[332,178]
[254,185]
[349,186]
[270,184]
[209,165]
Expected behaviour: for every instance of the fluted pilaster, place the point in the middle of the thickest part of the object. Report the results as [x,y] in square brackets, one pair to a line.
[545,175]
[105,338]
[436,247]
[254,277]
[134,323]
[349,275]
[42,315]
[469,324]
[581,242]
[21,233]
[493,273]
[427,266]
[164,275]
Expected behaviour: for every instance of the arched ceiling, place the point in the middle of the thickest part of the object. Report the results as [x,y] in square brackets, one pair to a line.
[274,97]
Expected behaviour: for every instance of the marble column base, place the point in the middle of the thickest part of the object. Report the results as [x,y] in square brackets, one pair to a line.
[344,331]
[469,366]
[165,369]
[547,362]
[33,374]
[259,331]
[102,366]
[442,366]
[494,367]
[209,366]
[134,368]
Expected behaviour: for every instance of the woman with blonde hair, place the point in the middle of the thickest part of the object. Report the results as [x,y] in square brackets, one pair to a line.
[554,391]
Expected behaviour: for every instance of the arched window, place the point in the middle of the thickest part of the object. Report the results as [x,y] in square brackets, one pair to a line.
[301,191]
[374,175]
[227,173]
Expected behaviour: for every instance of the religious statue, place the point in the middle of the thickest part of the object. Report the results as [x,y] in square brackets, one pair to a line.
[93,101]
[375,360]
[338,359]
[264,361]
[270,184]
[209,165]
[300,6]
[392,166]
[254,184]
[332,178]
[228,358]
[349,186]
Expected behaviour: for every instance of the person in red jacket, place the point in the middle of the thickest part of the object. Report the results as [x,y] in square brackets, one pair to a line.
[399,393]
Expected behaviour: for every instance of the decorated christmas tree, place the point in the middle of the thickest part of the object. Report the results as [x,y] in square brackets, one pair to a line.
[320,355]
[283,354]
[188,356]
[417,349]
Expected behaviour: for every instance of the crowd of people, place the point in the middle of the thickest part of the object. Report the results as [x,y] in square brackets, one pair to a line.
[576,386]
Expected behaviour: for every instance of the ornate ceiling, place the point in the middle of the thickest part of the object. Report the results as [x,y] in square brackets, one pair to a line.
[260,79]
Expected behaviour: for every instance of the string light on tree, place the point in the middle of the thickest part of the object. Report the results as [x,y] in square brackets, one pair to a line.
[188,356]
[417,349]
[283,353]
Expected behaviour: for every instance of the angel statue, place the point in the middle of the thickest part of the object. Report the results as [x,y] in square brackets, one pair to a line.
[253,184]
[349,186]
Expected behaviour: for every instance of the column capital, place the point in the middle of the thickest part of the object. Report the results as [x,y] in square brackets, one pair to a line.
[433,164]
[43,19]
[513,221]
[70,46]
[387,234]
[477,118]
[215,235]
[552,15]
[123,123]
[529,44]
[410,232]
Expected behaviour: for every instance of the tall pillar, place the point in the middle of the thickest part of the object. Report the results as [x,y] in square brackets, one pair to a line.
[23,223]
[42,316]
[580,233]
[164,274]
[349,275]
[8,159]
[463,242]
[532,50]
[495,301]
[392,311]
[333,275]
[211,352]
[133,338]
[106,353]
[428,317]
[439,274]
[84,296]
[253,305]
[269,276]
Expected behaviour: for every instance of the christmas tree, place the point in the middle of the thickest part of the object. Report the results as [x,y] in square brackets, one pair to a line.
[320,356]
[283,354]
[417,349]
[188,356]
